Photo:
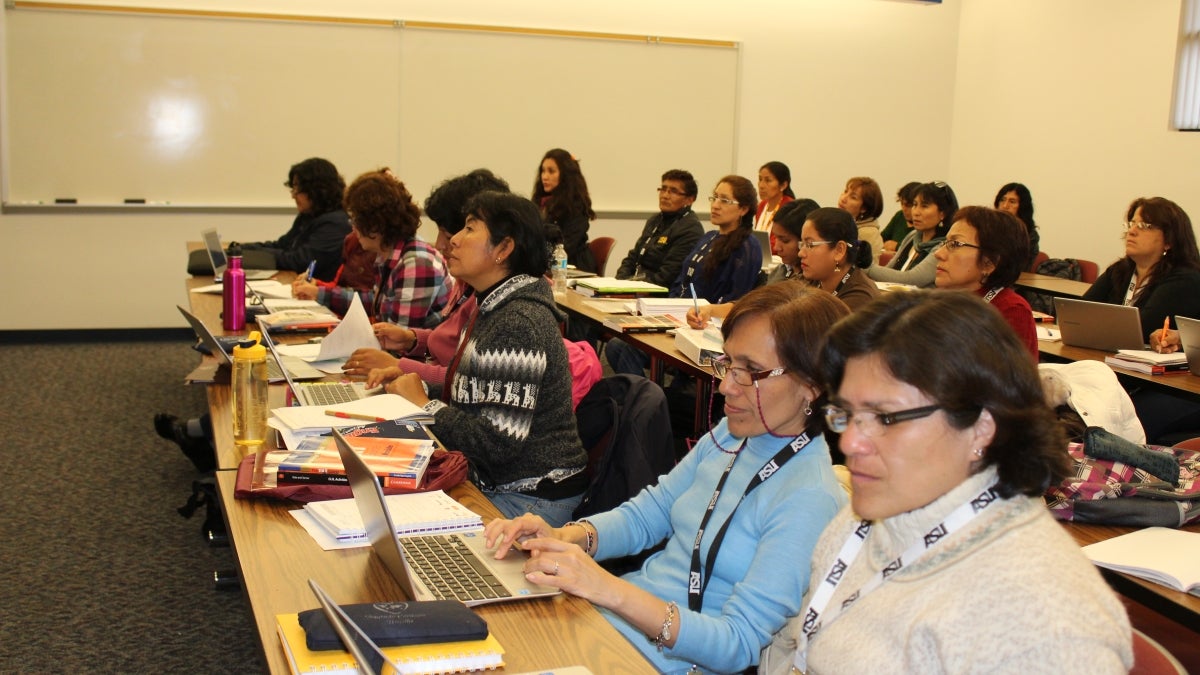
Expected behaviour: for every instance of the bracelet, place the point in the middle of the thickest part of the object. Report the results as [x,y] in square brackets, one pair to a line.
[664,634]
[587,531]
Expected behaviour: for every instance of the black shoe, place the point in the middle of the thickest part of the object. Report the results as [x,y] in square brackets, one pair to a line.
[198,450]
[171,428]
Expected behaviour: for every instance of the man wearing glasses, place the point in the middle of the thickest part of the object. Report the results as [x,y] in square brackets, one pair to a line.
[668,236]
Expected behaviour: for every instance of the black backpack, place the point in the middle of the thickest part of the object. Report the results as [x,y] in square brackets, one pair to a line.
[1064,268]
[626,428]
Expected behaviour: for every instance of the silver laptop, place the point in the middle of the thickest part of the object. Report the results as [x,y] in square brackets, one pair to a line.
[1189,337]
[216,255]
[455,566]
[317,393]
[277,370]
[1099,325]
[368,657]
[764,240]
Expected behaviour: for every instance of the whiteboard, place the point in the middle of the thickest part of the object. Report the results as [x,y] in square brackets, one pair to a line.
[211,111]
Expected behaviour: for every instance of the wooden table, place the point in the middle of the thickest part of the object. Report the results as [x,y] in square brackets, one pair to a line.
[276,557]
[1176,383]
[1180,607]
[1065,288]
[660,347]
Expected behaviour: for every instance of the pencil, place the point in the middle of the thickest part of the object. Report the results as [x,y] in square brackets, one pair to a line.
[355,416]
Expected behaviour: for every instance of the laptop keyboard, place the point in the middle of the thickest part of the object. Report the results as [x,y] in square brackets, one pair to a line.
[450,569]
[330,393]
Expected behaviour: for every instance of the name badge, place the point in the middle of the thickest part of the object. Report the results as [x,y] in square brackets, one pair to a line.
[662,240]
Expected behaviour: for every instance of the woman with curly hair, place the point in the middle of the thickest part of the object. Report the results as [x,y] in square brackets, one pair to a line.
[412,284]
[561,192]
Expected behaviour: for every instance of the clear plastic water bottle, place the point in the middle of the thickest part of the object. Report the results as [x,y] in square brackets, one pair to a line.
[233,295]
[249,390]
[560,269]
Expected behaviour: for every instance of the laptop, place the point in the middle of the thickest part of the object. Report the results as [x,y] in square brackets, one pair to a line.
[1099,325]
[368,657]
[456,566]
[317,393]
[277,371]
[1189,337]
[216,255]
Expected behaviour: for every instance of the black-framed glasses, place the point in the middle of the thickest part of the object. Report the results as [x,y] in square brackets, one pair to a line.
[664,190]
[956,244]
[1133,223]
[872,424]
[713,199]
[723,367]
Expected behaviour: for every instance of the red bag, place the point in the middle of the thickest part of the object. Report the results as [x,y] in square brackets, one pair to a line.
[447,468]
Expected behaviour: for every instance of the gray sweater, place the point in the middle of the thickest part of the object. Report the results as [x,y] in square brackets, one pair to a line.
[509,407]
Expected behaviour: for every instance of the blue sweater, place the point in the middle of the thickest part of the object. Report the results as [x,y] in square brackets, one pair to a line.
[733,279]
[762,571]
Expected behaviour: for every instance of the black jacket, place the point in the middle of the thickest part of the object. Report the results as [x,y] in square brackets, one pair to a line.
[311,238]
[668,238]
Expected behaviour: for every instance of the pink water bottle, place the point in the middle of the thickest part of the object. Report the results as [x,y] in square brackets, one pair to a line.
[233,292]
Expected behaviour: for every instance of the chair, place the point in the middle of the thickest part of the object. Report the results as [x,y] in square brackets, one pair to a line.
[1088,270]
[1151,658]
[1189,444]
[601,247]
[1040,258]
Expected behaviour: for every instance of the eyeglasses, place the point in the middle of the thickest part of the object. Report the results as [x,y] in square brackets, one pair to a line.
[810,245]
[664,190]
[292,187]
[1133,223]
[956,244]
[713,199]
[745,377]
[872,424]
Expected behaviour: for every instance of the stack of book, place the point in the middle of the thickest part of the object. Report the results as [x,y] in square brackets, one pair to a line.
[398,452]
[417,513]
[1149,362]
[674,306]
[643,324]
[612,287]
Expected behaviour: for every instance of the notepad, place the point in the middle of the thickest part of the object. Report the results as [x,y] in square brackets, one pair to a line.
[417,513]
[445,657]
[1159,554]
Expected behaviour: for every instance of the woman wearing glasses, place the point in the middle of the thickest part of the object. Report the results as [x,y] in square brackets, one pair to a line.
[933,210]
[411,279]
[985,252]
[1161,269]
[750,498]
[561,192]
[722,267]
[948,560]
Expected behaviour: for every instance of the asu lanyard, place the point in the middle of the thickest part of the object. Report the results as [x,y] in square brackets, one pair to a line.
[815,617]
[697,579]
[991,295]
[842,283]
[1132,287]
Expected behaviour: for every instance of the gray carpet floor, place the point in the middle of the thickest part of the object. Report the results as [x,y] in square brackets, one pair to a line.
[99,573]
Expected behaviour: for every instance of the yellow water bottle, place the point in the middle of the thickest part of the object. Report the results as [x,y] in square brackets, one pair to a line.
[250,393]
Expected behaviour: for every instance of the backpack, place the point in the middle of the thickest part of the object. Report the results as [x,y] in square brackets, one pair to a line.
[1063,268]
[626,428]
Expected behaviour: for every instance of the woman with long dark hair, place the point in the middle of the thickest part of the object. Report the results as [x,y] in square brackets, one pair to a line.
[561,192]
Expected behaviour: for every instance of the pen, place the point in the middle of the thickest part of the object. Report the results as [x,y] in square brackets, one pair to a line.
[355,416]
[1166,327]
[312,267]
[695,300]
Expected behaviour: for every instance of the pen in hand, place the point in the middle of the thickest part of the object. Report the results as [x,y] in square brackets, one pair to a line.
[1162,340]
[312,267]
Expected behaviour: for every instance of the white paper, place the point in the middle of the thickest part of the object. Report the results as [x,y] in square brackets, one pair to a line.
[354,332]
[386,406]
[269,287]
[1048,334]
[305,351]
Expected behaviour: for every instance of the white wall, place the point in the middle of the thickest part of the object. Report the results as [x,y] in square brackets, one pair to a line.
[1072,98]
[1069,96]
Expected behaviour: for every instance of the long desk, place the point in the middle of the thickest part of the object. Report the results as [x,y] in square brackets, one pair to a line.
[1065,288]
[1180,607]
[659,346]
[276,557]
[1177,383]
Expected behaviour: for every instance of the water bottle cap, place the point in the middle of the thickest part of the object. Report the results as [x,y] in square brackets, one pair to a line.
[250,349]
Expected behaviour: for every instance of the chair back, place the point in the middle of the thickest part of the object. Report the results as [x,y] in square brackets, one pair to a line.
[1151,658]
[601,247]
[1088,271]
[1040,258]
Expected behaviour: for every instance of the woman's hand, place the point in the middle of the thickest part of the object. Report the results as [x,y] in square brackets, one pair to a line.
[303,290]
[363,361]
[503,535]
[394,337]
[380,376]
[409,386]
[1165,341]
[565,566]
[698,317]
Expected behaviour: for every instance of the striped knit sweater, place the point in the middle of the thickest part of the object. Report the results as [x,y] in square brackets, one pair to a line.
[509,407]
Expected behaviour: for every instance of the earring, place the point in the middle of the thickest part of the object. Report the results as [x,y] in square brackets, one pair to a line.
[837,267]
[497,261]
[979,453]
[808,408]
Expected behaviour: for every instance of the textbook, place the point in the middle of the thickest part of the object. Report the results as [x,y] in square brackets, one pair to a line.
[610,286]
[414,513]
[673,306]
[295,320]
[398,462]
[643,324]
[1159,554]
[1146,367]
[444,657]
[701,346]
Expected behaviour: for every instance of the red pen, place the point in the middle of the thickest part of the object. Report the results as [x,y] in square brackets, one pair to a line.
[355,416]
